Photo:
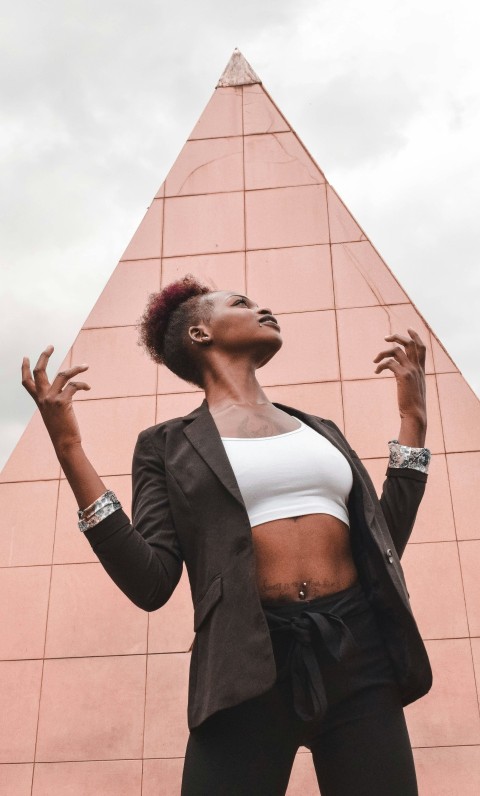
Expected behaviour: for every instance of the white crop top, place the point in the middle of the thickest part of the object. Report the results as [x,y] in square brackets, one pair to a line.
[289,475]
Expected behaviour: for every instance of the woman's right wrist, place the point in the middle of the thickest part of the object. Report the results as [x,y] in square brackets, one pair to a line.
[67,451]
[101,508]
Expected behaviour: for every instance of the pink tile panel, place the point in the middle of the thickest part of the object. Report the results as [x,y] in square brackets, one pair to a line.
[372,417]
[110,428]
[305,269]
[89,615]
[104,720]
[343,227]
[71,546]
[166,729]
[224,271]
[161,191]
[463,469]
[434,580]
[316,359]
[461,428]
[361,335]
[118,366]
[170,629]
[102,777]
[448,714]
[169,406]
[434,521]
[19,697]
[126,294]
[222,116]
[147,240]
[470,560]
[448,770]
[278,160]
[211,165]
[189,229]
[281,217]
[475,642]
[323,400]
[361,278]
[28,522]
[260,114]
[442,362]
[16,779]
[162,777]
[23,611]
[33,458]
[168,383]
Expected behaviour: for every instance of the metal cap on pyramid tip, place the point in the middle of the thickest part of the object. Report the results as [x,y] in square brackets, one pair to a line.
[237,72]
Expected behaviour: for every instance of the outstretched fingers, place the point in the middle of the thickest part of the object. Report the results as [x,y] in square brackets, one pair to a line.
[27,378]
[64,376]
[72,387]
[420,347]
[61,389]
[397,358]
[40,371]
[414,347]
[37,384]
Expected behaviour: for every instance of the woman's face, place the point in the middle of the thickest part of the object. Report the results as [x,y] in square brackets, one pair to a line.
[239,326]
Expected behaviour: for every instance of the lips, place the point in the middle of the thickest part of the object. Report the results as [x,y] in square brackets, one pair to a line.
[269,319]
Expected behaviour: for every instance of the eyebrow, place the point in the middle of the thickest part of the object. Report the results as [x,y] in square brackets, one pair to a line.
[239,295]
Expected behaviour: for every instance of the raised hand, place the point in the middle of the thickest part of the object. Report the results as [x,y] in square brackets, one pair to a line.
[55,400]
[408,366]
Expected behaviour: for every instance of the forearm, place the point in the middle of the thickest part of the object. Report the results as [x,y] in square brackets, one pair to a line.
[413,431]
[86,484]
[147,572]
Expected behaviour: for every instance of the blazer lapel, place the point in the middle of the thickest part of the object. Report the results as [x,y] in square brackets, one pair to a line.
[203,434]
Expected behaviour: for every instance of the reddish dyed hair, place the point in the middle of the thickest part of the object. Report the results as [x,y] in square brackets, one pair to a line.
[163,327]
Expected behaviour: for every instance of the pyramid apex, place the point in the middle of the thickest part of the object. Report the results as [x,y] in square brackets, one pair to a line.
[237,72]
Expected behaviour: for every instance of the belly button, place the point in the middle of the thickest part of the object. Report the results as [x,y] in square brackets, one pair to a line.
[303,591]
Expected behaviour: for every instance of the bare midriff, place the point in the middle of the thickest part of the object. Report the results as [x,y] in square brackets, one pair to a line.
[299,558]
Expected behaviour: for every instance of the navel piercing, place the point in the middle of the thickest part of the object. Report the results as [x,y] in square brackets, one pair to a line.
[302,593]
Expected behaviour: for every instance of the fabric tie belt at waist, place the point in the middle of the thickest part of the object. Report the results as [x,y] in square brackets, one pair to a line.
[309,696]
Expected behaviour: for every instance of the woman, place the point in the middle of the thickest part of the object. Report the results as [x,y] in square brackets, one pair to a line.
[303,629]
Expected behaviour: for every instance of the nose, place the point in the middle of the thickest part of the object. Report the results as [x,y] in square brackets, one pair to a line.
[265,311]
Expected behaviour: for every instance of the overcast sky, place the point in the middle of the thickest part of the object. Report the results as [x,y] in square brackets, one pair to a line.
[97,99]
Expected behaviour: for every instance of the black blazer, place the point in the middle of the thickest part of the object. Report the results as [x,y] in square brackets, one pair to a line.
[187,507]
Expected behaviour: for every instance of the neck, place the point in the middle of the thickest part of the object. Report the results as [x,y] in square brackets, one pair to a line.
[232,383]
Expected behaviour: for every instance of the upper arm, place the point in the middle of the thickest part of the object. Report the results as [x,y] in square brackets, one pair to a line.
[402,493]
[143,557]
[151,510]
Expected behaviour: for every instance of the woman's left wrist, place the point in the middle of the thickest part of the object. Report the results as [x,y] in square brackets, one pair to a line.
[413,430]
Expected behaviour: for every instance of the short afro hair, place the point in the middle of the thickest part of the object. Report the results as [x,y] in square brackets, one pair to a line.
[163,327]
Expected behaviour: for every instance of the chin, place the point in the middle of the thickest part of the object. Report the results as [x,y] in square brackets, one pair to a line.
[270,354]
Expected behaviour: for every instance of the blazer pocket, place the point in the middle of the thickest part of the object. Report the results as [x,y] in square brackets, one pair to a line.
[211,597]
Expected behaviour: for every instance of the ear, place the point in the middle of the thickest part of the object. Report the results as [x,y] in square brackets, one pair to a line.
[199,334]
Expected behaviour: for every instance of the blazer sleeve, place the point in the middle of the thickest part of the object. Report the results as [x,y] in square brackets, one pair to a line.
[402,492]
[143,557]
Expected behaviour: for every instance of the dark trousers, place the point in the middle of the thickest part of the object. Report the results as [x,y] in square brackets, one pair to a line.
[335,694]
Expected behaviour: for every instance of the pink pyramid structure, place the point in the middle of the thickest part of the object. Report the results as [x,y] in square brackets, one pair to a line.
[93,690]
